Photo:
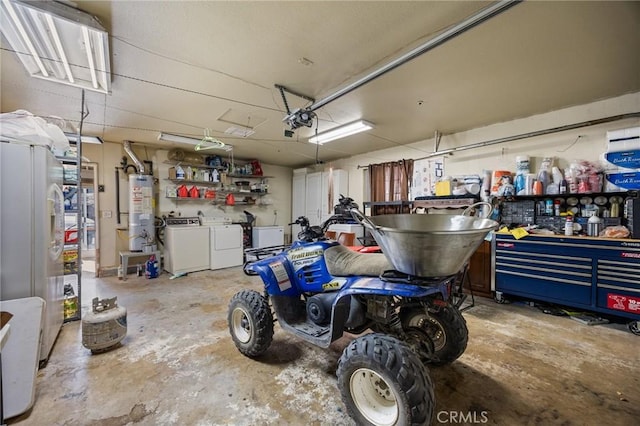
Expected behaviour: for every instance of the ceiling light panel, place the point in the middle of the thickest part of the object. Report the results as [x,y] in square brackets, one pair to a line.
[58,43]
[170,137]
[341,132]
[84,138]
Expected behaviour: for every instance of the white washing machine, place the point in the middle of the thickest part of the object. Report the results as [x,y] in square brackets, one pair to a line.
[186,246]
[226,246]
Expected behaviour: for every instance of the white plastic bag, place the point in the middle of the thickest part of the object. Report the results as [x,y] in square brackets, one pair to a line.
[22,126]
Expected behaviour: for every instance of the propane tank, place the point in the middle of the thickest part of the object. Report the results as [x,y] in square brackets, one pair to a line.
[105,326]
[141,220]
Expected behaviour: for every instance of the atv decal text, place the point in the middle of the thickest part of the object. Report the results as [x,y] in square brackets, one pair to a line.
[335,284]
[304,253]
[304,256]
[281,275]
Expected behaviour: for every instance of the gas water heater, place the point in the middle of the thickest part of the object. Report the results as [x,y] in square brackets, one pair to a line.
[141,219]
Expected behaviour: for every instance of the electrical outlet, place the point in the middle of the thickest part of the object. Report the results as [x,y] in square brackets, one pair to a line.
[100,188]
[106,214]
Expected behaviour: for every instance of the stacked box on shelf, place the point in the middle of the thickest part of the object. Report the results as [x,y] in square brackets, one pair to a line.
[623,153]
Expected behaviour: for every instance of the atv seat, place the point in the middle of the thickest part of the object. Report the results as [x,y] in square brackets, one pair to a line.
[342,262]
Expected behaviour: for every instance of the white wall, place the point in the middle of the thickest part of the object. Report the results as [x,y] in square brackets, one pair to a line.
[502,156]
[114,237]
[108,156]
[277,213]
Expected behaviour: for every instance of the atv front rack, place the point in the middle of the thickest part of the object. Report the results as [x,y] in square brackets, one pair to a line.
[255,254]
[263,252]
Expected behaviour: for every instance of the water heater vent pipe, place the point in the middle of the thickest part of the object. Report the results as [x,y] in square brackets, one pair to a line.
[137,162]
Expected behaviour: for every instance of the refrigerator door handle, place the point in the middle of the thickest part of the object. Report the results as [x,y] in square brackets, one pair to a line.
[55,206]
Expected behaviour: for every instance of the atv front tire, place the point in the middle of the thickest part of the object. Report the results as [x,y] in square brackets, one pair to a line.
[383,382]
[250,322]
[446,328]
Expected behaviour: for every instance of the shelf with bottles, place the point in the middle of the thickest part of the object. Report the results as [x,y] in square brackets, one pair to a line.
[204,176]
[254,193]
[578,195]
[212,197]
[550,210]
[221,169]
[70,303]
[193,182]
[71,162]
[237,176]
[190,199]
[603,204]
[70,259]
[206,190]
[194,165]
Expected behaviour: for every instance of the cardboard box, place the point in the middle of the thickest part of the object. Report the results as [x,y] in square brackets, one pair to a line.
[443,188]
[630,180]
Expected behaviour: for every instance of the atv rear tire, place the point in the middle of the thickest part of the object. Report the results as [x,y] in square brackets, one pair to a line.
[250,322]
[383,382]
[446,328]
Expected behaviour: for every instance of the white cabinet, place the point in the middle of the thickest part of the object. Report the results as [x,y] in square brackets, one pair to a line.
[313,203]
[320,193]
[299,201]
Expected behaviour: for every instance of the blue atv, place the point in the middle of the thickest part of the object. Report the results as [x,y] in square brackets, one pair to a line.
[319,289]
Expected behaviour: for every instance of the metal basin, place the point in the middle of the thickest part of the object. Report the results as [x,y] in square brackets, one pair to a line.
[426,245]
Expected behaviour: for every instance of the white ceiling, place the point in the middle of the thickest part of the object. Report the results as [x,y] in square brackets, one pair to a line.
[179,66]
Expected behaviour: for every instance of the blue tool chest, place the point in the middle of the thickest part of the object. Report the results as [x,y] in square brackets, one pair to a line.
[596,274]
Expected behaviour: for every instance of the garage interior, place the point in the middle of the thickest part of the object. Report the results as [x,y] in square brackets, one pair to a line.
[463,92]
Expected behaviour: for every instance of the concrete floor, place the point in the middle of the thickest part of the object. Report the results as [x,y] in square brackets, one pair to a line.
[178,365]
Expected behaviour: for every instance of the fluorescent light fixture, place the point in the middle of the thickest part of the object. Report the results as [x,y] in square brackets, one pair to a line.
[57,42]
[341,132]
[89,52]
[200,144]
[85,139]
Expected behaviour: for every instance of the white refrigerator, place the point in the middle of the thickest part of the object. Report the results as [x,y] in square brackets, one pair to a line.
[32,232]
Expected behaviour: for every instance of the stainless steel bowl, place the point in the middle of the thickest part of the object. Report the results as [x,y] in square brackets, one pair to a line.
[426,245]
